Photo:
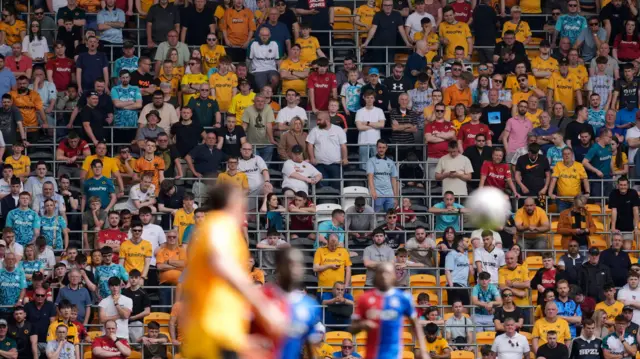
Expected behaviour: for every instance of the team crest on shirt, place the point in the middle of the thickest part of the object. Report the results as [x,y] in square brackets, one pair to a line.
[25,332]
[302,313]
[372,300]
[380,92]
[394,302]
[104,182]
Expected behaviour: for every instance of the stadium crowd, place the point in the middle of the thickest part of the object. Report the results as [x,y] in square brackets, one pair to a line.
[356,132]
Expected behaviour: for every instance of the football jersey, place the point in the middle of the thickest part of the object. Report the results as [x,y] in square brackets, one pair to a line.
[457,34]
[135,254]
[20,166]
[308,49]
[304,313]
[210,57]
[586,349]
[223,85]
[540,64]
[24,223]
[387,310]
[104,272]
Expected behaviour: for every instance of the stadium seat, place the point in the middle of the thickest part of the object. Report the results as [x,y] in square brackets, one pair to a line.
[407,355]
[323,211]
[449,315]
[487,338]
[527,335]
[594,208]
[361,338]
[597,241]
[534,262]
[160,317]
[87,355]
[343,21]
[422,280]
[557,241]
[350,193]
[135,355]
[357,285]
[336,338]
[462,354]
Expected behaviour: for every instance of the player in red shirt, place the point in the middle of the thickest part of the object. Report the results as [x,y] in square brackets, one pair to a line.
[461,10]
[321,86]
[496,173]
[112,237]
[468,131]
[438,134]
[60,68]
[105,346]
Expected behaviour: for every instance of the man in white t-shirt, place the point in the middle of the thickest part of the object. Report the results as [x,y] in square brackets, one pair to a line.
[629,295]
[116,307]
[369,121]
[489,258]
[287,113]
[257,173]
[413,24]
[327,149]
[454,170]
[298,174]
[5,182]
[142,194]
[633,138]
[264,55]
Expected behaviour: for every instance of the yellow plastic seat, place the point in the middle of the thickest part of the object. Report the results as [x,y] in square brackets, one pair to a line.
[407,355]
[87,355]
[160,317]
[401,58]
[362,352]
[135,355]
[357,284]
[487,338]
[336,338]
[462,354]
[407,338]
[449,315]
[534,262]
[554,226]
[343,21]
[361,338]
[598,242]
[593,208]
[422,280]
[557,241]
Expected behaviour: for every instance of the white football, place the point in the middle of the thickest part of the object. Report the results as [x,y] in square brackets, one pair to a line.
[488,208]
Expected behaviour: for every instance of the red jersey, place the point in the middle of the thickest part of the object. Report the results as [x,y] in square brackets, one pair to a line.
[82,331]
[628,46]
[549,278]
[437,150]
[497,174]
[301,222]
[112,238]
[461,11]
[468,131]
[278,297]
[62,70]
[322,85]
[107,344]
[71,152]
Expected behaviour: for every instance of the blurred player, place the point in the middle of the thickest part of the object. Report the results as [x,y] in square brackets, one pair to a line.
[380,313]
[218,294]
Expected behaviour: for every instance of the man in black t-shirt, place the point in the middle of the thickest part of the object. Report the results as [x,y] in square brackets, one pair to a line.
[632,328]
[552,349]
[624,203]
[533,172]
[144,80]
[575,128]
[614,14]
[625,92]
[230,137]
[187,133]
[22,332]
[141,305]
[495,115]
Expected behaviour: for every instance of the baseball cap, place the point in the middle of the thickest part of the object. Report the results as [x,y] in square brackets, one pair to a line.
[3,322]
[296,149]
[563,61]
[129,44]
[516,8]
[243,82]
[627,308]
[320,328]
[594,251]
[374,71]
[153,112]
[93,93]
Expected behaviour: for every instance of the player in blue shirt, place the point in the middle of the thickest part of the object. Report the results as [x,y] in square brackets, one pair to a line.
[304,311]
[99,186]
[381,311]
[24,221]
[107,270]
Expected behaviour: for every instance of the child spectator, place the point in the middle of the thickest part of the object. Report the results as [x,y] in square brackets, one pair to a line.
[21,163]
[154,342]
[402,267]
[405,210]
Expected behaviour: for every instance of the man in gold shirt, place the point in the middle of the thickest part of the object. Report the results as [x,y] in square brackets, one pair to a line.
[515,277]
[332,263]
[31,108]
[549,322]
[568,175]
[218,294]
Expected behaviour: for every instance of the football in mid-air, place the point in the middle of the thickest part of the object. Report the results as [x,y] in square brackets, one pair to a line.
[488,208]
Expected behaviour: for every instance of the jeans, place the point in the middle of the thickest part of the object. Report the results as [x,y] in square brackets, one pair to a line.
[383,203]
[165,299]
[563,205]
[365,152]
[266,152]
[600,187]
[331,171]
[484,322]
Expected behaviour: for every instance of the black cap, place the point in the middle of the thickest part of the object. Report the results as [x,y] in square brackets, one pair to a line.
[243,82]
[37,276]
[594,251]
[296,149]
[627,308]
[563,61]
[128,45]
[93,93]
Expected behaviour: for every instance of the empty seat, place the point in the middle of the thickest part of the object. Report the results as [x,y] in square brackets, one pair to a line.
[422,280]
[534,262]
[487,338]
[462,354]
[349,195]
[323,211]
[336,338]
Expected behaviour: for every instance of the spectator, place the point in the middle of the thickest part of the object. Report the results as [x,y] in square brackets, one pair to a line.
[360,220]
[233,176]
[396,237]
[346,349]
[459,92]
[437,133]
[507,311]
[327,149]
[161,18]
[184,216]
[91,66]
[112,344]
[11,200]
[571,24]
[624,48]
[485,296]
[447,212]
[459,328]
[186,129]
[624,200]
[136,252]
[24,221]
[590,39]
[454,33]
[457,271]
[170,259]
[35,184]
[14,283]
[568,175]
[23,333]
[40,313]
[495,173]
[196,22]
[598,162]
[141,305]
[454,170]
[377,253]
[421,248]
[107,269]
[550,320]
[552,349]
[19,60]
[489,258]
[31,108]
[99,186]
[298,174]
[567,308]
[576,223]
[534,221]
[294,136]
[264,54]
[257,121]
[628,294]
[116,308]
[231,137]
[533,172]
[514,277]
[154,341]
[238,26]
[380,91]
[332,263]
[594,275]
[571,262]
[620,341]
[564,88]
[516,131]
[617,259]
[205,159]
[77,295]
[165,47]
[255,168]
[11,120]
[610,305]
[69,151]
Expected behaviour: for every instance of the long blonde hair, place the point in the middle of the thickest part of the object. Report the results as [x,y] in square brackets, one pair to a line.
[601,329]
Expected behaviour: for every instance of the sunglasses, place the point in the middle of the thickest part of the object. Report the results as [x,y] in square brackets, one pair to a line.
[347,346]
[516,344]
[390,217]
[38,13]
[40,295]
[555,13]
[573,5]
[498,81]
[136,230]
[439,111]
[212,39]
[594,24]
[507,295]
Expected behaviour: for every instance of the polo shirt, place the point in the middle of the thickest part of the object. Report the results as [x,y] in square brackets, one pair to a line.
[40,318]
[204,110]
[600,158]
[207,160]
[80,297]
[163,20]
[91,66]
[504,346]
